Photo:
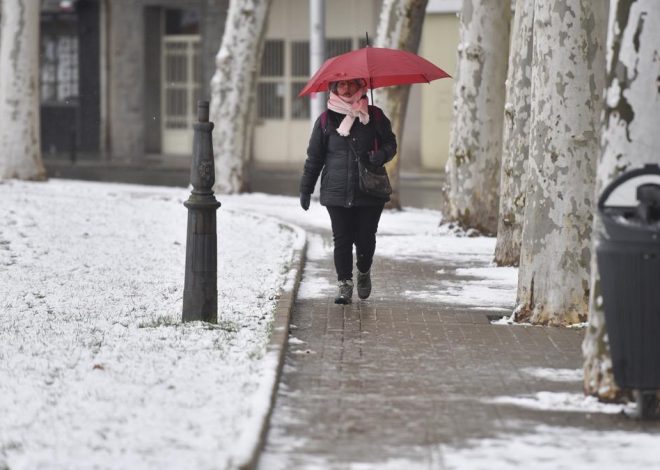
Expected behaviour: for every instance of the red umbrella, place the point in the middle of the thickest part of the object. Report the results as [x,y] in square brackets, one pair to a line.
[380,66]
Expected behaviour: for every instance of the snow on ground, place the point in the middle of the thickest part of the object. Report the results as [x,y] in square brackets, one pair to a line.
[411,235]
[543,447]
[563,401]
[95,366]
[555,375]
[318,282]
[409,222]
[490,287]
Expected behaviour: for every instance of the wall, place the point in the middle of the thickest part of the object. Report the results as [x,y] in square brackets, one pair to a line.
[439,45]
[125,83]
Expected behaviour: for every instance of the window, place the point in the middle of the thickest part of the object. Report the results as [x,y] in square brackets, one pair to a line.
[59,64]
[271,100]
[300,58]
[272,61]
[300,107]
[284,71]
[270,90]
[335,47]
[181,81]
[182,22]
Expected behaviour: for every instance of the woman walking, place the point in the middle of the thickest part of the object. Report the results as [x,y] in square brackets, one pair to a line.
[349,130]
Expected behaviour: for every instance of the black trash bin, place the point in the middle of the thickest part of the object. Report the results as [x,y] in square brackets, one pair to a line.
[628,257]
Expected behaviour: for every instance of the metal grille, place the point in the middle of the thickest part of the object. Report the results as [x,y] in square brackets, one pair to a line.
[299,105]
[272,61]
[271,90]
[181,81]
[284,72]
[335,47]
[59,68]
[300,58]
[299,75]
[271,100]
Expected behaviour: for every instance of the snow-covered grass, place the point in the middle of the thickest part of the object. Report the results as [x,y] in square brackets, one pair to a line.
[96,369]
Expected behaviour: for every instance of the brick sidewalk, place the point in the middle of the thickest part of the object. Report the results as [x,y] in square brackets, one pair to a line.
[391,382]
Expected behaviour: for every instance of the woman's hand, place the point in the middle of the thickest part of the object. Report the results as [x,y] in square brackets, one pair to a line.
[376,158]
[304,200]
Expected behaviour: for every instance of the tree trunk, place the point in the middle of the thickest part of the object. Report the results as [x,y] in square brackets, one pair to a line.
[568,74]
[473,167]
[630,140]
[515,145]
[399,27]
[233,89]
[20,138]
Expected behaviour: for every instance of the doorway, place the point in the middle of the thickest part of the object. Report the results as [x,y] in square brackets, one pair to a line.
[180,80]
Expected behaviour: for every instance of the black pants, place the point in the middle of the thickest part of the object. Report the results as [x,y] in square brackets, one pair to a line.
[354,226]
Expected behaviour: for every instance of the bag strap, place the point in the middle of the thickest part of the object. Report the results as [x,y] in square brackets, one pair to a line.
[363,161]
[324,120]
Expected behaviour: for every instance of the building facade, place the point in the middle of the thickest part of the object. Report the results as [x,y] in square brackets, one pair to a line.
[120,79]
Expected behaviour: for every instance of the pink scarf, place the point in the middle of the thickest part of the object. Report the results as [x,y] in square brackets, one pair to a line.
[353,107]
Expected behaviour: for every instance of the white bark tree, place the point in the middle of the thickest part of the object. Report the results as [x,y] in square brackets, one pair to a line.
[630,139]
[515,139]
[399,27]
[233,89]
[568,75]
[473,167]
[20,139]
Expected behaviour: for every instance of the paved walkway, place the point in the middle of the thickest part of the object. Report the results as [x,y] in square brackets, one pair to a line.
[398,383]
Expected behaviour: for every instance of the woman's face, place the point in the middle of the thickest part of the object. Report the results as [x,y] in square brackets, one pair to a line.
[348,88]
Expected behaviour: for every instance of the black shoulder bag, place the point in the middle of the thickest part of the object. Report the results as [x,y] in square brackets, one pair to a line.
[373,179]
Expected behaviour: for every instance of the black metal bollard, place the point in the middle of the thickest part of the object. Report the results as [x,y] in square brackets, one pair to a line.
[200,291]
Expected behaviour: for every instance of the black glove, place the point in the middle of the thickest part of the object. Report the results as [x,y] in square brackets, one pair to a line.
[377,158]
[304,200]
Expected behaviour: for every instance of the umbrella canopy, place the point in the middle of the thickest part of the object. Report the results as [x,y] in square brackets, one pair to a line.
[380,66]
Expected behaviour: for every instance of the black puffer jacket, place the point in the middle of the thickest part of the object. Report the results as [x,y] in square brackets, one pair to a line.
[330,155]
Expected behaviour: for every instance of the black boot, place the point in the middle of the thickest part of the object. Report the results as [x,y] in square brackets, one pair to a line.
[345,295]
[364,284]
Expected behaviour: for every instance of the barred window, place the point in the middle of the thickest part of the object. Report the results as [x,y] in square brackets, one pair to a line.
[299,75]
[270,104]
[284,71]
[271,89]
[59,68]
[272,61]
[300,58]
[299,105]
[335,47]
[181,84]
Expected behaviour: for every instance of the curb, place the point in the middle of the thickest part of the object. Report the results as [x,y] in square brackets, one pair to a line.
[253,439]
